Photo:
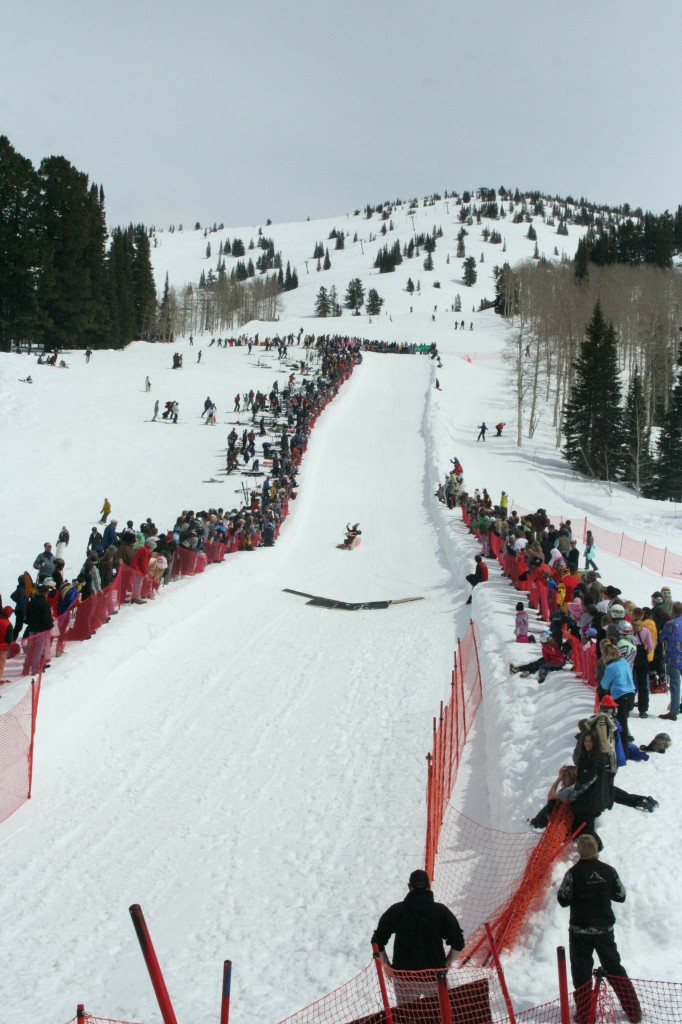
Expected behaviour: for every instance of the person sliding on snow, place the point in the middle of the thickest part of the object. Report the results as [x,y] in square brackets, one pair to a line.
[499,427]
[351,533]
[481,431]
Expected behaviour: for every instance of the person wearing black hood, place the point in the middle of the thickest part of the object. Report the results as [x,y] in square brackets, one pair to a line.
[420,926]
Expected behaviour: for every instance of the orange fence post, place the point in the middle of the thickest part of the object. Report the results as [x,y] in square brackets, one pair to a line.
[382,983]
[429,854]
[594,997]
[225,996]
[563,986]
[35,693]
[443,998]
[80,1011]
[500,974]
[159,985]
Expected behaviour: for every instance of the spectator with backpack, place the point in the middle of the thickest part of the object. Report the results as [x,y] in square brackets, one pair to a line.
[672,643]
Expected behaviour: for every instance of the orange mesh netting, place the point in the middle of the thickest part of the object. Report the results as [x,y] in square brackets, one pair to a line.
[17,727]
[660,1002]
[449,737]
[473,994]
[646,555]
[92,1018]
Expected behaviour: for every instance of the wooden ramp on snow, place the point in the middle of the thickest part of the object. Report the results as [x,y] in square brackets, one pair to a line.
[349,606]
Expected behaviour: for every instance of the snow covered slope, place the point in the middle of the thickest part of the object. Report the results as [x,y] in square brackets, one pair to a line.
[251,769]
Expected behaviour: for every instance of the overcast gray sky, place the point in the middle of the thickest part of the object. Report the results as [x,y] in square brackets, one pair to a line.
[238,111]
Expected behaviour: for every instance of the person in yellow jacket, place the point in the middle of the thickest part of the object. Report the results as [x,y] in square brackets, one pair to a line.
[504,501]
[106,509]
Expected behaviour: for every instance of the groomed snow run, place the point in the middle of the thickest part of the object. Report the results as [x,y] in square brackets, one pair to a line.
[248,768]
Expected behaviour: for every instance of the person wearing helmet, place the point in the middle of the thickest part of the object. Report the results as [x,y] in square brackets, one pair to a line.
[626,643]
[618,681]
[552,659]
[667,602]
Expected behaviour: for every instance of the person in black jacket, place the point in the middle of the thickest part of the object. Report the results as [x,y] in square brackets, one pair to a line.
[591,794]
[420,926]
[588,889]
[38,624]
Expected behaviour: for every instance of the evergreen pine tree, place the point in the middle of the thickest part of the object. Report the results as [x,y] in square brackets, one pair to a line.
[339,244]
[208,250]
[21,246]
[71,288]
[334,304]
[637,461]
[322,303]
[458,303]
[144,289]
[327,262]
[410,285]
[469,271]
[592,422]
[374,302]
[667,483]
[428,262]
[122,313]
[581,260]
[355,294]
[165,320]
[461,251]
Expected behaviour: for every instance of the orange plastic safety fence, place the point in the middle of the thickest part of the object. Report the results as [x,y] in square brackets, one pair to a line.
[94,1019]
[546,1013]
[449,737]
[473,994]
[656,1002]
[646,555]
[358,999]
[477,873]
[17,726]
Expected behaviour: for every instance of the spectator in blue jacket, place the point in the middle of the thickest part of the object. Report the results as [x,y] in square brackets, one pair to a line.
[110,534]
[619,682]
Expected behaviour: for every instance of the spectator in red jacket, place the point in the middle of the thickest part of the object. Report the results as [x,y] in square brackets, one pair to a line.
[139,565]
[6,637]
[551,660]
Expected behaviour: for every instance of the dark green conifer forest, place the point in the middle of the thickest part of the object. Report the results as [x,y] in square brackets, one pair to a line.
[64,281]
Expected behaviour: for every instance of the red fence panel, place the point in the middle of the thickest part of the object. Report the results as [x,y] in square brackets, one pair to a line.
[17,728]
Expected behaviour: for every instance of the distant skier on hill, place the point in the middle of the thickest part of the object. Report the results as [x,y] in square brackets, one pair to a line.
[481,431]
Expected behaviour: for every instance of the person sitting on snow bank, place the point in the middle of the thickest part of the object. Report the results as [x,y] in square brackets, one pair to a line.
[552,659]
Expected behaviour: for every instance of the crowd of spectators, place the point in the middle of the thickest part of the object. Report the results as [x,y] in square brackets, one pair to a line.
[626,649]
[128,564]
[635,647]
